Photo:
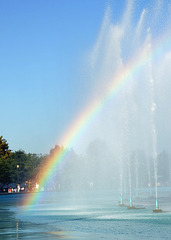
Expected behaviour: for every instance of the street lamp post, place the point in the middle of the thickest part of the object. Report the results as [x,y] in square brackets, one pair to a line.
[17,174]
[18,187]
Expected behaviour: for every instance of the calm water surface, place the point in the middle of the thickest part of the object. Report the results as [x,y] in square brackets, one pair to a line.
[90,215]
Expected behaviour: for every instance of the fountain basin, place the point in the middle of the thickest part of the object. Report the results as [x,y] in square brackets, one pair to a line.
[131,207]
[157,210]
[122,205]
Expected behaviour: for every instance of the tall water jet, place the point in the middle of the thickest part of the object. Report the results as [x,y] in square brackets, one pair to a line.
[149,178]
[153,125]
[131,206]
[127,146]
[121,151]
[121,203]
[136,175]
[121,183]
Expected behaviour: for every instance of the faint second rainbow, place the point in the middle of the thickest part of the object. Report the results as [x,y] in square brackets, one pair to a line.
[85,117]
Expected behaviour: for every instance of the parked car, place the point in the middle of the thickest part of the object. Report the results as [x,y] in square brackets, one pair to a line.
[5,188]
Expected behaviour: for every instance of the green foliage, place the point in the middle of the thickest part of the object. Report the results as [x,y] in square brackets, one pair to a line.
[27,166]
[4,148]
[4,161]
[5,165]
[17,166]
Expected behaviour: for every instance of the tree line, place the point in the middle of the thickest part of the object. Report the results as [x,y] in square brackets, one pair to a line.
[18,166]
[98,168]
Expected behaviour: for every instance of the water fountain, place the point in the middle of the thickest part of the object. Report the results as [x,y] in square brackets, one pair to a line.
[121,44]
[153,125]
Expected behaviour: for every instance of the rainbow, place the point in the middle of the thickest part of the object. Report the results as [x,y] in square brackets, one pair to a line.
[121,78]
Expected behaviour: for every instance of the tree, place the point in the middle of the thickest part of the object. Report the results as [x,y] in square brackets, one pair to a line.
[4,148]
[5,162]
[5,166]
[28,166]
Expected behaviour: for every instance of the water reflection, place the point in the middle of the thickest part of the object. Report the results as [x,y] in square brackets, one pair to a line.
[14,225]
[59,234]
[17,226]
[62,216]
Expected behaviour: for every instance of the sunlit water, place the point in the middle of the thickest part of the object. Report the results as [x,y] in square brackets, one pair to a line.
[93,215]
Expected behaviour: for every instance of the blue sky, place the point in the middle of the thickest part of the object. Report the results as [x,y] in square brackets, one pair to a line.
[42,49]
[43,68]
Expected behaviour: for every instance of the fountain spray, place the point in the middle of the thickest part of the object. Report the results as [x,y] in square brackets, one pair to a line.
[153,125]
